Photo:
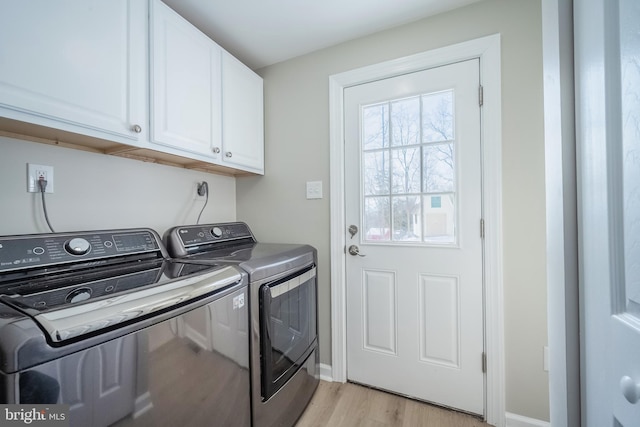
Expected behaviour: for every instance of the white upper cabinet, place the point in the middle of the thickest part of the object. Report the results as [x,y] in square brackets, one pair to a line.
[78,65]
[203,100]
[242,116]
[185,84]
[131,78]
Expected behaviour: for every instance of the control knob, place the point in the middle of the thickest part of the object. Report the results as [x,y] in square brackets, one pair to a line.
[77,246]
[216,232]
[78,295]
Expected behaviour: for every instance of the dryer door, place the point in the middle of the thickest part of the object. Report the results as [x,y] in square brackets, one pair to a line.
[288,328]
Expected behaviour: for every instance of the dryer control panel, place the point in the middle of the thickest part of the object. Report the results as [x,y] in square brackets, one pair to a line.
[183,239]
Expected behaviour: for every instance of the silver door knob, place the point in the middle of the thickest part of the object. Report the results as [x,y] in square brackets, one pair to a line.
[353,229]
[216,150]
[228,154]
[136,128]
[354,250]
[630,389]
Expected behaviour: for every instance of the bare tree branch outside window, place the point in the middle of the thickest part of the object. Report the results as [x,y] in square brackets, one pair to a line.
[408,158]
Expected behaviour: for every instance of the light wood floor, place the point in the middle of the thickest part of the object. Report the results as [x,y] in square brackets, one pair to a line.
[350,405]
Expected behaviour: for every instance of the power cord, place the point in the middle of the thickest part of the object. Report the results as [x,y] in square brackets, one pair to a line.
[203,190]
[42,183]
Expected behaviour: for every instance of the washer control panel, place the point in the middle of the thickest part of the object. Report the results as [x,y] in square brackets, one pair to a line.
[38,250]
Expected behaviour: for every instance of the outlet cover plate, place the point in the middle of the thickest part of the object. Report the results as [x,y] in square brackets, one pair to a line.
[33,174]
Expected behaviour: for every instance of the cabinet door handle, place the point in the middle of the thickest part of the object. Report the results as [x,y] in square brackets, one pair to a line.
[136,128]
[229,154]
[216,150]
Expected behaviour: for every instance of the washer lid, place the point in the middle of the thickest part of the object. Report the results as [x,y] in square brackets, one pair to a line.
[76,320]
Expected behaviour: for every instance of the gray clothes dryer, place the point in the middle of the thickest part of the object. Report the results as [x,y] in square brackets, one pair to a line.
[283,312]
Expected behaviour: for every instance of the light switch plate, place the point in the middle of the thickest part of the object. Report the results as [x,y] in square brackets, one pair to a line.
[314,189]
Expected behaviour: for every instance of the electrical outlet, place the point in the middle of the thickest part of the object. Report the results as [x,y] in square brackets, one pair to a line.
[34,173]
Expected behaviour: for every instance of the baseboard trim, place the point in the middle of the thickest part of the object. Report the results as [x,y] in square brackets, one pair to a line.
[326,373]
[514,420]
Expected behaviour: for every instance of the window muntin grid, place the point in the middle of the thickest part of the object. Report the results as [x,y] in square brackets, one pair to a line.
[409,180]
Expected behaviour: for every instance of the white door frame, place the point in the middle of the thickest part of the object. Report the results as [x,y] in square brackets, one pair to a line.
[563,297]
[487,49]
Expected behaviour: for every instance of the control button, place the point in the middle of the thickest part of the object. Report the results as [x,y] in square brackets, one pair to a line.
[216,231]
[77,246]
[78,295]
[38,250]
[40,304]
[201,234]
[109,288]
[108,244]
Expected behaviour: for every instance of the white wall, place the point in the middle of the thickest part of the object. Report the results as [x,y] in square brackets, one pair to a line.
[297,150]
[96,191]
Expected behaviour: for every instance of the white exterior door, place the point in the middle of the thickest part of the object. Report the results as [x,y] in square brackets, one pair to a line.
[607,46]
[413,198]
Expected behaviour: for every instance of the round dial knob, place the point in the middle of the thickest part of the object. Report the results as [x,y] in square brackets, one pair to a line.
[216,231]
[77,246]
[78,295]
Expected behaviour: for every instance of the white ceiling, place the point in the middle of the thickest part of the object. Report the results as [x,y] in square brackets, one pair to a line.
[264,32]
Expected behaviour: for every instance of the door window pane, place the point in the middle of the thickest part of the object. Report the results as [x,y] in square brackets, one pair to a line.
[409,170]
[407,221]
[377,224]
[406,170]
[376,173]
[405,121]
[375,126]
[439,218]
[437,117]
[439,167]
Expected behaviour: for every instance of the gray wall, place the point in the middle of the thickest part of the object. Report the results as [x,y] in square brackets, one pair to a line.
[96,191]
[297,150]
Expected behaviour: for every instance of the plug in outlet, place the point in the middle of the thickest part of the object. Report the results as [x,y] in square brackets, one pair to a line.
[34,173]
[201,190]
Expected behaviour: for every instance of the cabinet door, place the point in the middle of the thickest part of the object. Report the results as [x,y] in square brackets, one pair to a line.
[185,98]
[77,65]
[242,116]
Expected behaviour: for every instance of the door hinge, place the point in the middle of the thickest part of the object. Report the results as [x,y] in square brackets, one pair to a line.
[482,228]
[480,95]
[484,362]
